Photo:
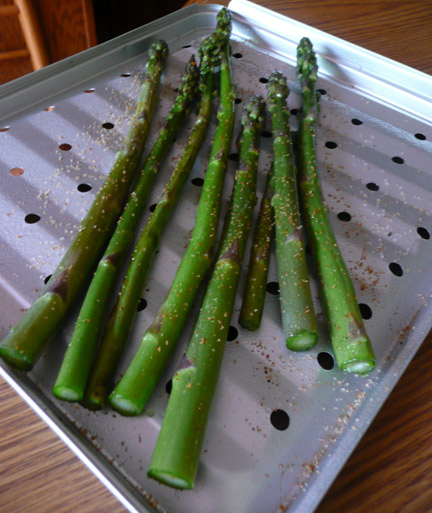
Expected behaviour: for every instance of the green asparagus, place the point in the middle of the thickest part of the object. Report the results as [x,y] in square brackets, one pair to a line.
[352,347]
[73,374]
[176,455]
[255,289]
[122,317]
[136,386]
[298,316]
[27,339]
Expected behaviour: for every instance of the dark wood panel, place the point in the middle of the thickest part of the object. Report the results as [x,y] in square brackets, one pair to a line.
[64,26]
[11,37]
[14,68]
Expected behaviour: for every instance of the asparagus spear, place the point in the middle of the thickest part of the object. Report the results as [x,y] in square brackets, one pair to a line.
[298,317]
[27,339]
[73,374]
[136,386]
[122,317]
[352,347]
[177,451]
[256,281]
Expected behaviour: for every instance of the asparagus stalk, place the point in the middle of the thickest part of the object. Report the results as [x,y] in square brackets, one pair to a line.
[256,281]
[73,374]
[298,317]
[122,317]
[352,347]
[26,340]
[158,343]
[177,451]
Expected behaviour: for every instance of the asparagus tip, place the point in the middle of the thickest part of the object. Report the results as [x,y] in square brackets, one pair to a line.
[224,19]
[189,83]
[277,86]
[210,50]
[157,51]
[307,67]
[253,110]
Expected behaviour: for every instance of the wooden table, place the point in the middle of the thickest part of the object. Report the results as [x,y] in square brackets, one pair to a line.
[391,469]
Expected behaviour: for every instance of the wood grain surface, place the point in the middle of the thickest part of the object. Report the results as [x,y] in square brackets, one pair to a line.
[391,469]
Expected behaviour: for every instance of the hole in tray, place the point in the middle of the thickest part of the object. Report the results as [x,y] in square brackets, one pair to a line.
[325,360]
[280,419]
[365,310]
[84,187]
[232,333]
[423,232]
[50,108]
[91,90]
[186,46]
[263,80]
[65,147]
[266,134]
[108,125]
[396,269]
[321,91]
[419,136]
[238,55]
[142,305]
[4,128]
[168,387]
[331,145]
[344,216]
[47,278]
[198,181]
[16,171]
[32,218]
[398,160]
[125,75]
[272,287]
[294,112]
[356,121]
[234,157]
[152,207]
[372,186]
[238,100]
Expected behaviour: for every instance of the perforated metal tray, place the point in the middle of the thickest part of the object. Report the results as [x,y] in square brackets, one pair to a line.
[375,149]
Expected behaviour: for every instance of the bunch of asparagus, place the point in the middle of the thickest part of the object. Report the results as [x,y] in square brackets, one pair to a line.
[351,345]
[26,341]
[90,362]
[158,343]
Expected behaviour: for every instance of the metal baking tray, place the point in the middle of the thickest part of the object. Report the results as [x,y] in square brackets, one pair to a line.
[375,149]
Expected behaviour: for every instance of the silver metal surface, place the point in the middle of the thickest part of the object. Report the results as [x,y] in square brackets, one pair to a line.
[247,465]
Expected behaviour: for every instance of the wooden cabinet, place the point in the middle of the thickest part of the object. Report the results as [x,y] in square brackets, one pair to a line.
[34,33]
[56,29]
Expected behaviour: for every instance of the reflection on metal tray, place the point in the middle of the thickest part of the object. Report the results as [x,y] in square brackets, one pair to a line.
[374,154]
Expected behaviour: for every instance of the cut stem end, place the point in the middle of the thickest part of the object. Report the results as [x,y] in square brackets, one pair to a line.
[124,406]
[170,479]
[16,359]
[66,393]
[302,341]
